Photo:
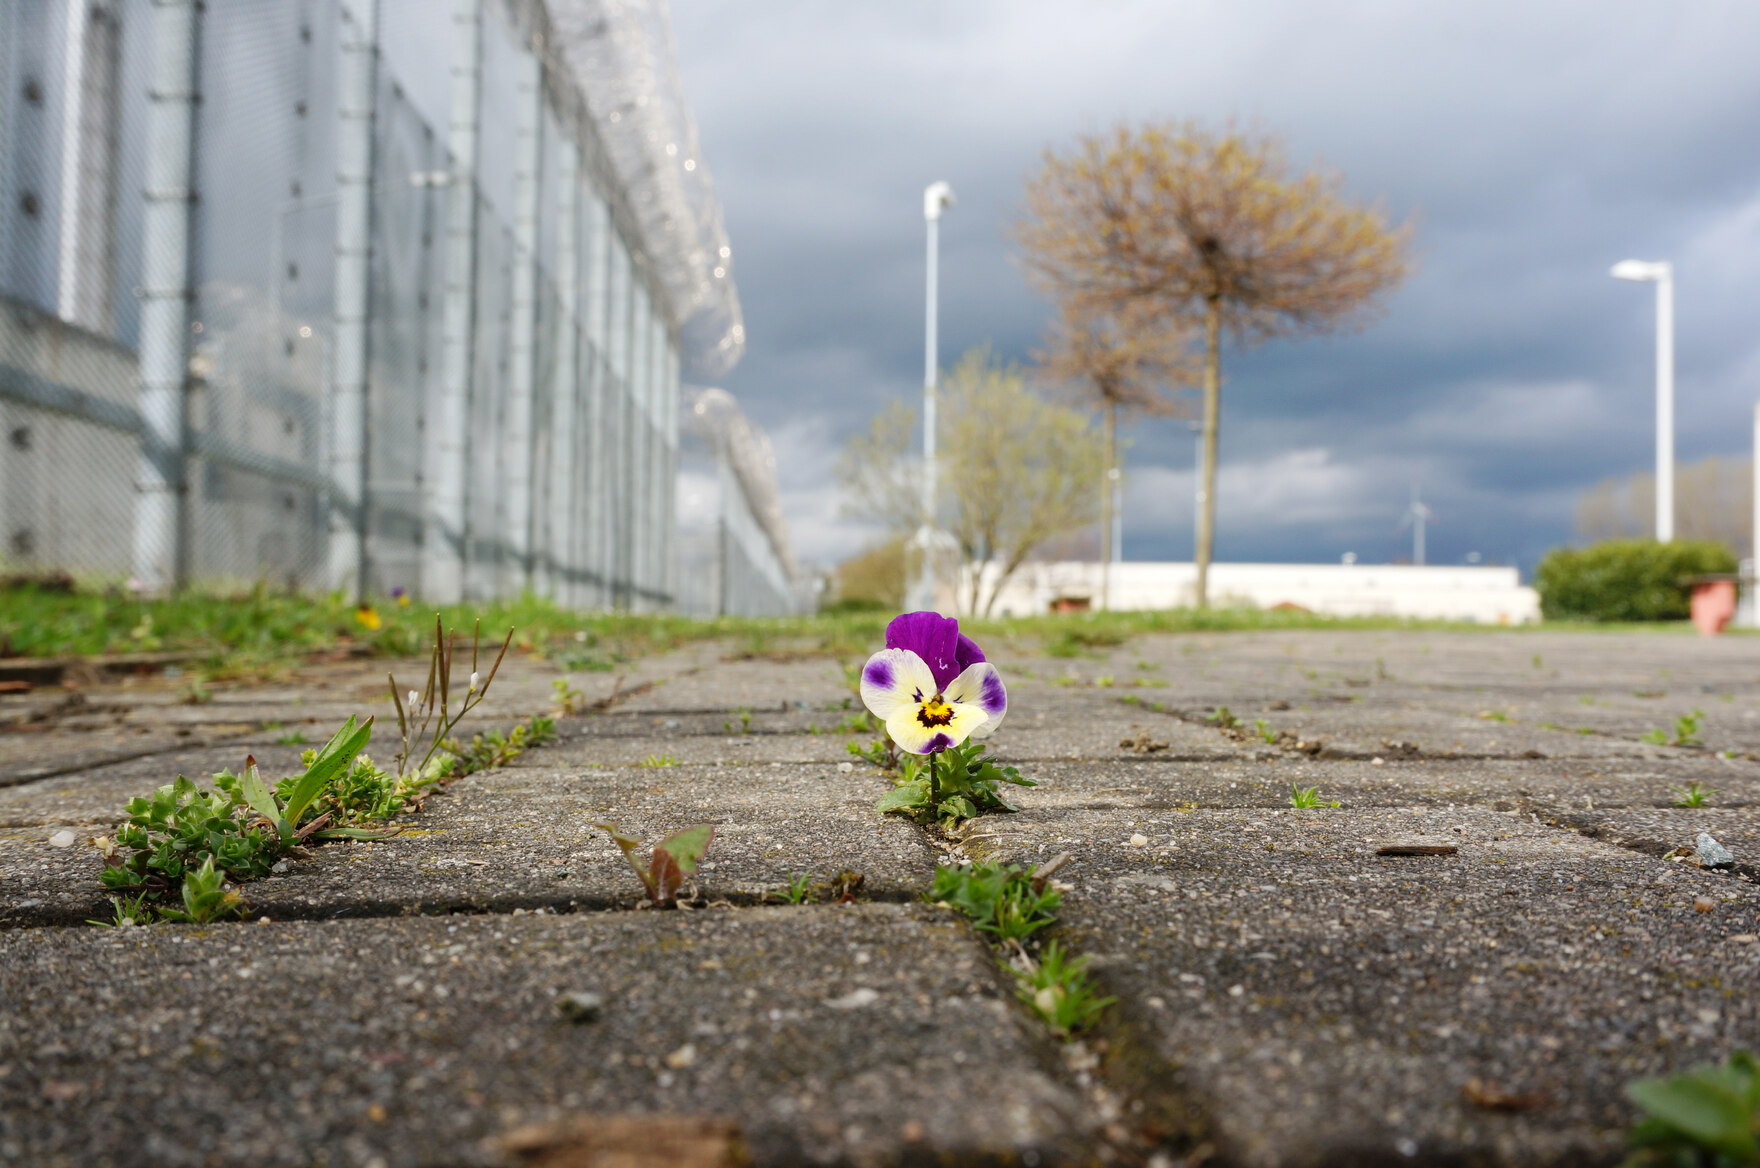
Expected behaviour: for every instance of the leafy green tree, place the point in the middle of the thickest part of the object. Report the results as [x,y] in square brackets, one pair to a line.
[1016,471]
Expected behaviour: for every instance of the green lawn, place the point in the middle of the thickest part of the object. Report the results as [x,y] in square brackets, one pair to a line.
[264,628]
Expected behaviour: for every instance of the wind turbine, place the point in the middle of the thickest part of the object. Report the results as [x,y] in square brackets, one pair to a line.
[1417,515]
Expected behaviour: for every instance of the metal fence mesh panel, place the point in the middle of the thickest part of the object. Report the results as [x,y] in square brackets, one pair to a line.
[354,295]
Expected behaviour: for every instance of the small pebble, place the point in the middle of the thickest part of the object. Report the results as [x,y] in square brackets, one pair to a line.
[1712,854]
[1377,761]
[62,839]
[580,1006]
[1704,904]
[844,768]
[1139,841]
[683,1057]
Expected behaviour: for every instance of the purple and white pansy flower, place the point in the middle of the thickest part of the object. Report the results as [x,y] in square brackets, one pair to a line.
[931,685]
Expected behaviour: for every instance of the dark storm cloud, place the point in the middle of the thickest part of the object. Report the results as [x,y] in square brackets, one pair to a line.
[1535,144]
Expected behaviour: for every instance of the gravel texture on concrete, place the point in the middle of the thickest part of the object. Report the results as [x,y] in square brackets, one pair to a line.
[1328,1005]
[857,1034]
[524,837]
[1287,995]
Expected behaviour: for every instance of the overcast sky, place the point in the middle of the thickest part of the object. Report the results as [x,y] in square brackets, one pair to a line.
[1533,143]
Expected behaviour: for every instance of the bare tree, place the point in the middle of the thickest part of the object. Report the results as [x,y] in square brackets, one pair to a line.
[1714,499]
[1213,230]
[1017,471]
[1119,363]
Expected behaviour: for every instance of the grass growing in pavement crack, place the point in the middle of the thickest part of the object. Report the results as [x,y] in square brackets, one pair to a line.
[195,845]
[1694,794]
[1308,797]
[1011,905]
[493,748]
[241,829]
[1686,732]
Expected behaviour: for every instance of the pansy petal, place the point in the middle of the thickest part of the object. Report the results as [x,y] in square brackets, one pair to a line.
[967,652]
[914,736]
[980,685]
[931,636]
[895,679]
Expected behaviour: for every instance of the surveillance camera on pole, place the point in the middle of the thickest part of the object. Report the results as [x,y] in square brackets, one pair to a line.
[1662,275]
[936,196]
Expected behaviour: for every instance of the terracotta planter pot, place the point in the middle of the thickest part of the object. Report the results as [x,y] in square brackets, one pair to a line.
[1713,604]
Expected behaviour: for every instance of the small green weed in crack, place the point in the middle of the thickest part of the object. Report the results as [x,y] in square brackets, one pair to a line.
[1222,719]
[206,897]
[655,761]
[745,723]
[799,890]
[964,785]
[426,720]
[243,827]
[1307,798]
[671,863]
[857,723]
[291,738]
[1266,734]
[569,701]
[127,911]
[881,752]
[1011,905]
[1002,900]
[1686,732]
[1058,990]
[493,748]
[1707,1117]
[1694,794]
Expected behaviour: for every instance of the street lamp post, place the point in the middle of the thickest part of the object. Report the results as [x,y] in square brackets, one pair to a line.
[1662,275]
[936,196]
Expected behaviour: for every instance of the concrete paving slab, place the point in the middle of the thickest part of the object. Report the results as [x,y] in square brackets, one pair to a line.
[1266,781]
[1327,1005]
[756,684]
[862,1034]
[1659,830]
[523,837]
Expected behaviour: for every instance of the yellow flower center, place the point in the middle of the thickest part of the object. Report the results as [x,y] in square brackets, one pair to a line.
[935,712]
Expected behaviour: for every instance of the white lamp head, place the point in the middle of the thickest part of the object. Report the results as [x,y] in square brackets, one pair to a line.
[1640,270]
[936,196]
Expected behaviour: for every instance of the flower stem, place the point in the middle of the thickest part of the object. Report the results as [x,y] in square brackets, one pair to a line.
[934,792]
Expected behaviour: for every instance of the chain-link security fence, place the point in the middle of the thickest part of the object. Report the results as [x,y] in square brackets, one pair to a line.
[348,294]
[735,553]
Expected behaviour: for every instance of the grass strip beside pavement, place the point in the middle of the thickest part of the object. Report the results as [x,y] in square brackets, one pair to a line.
[263,628]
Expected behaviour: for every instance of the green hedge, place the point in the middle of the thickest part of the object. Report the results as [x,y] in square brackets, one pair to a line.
[1626,579]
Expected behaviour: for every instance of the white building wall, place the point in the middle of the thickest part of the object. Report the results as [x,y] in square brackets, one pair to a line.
[1481,594]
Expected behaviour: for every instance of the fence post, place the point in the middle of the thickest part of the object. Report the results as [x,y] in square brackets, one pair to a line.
[516,460]
[618,423]
[596,482]
[161,525]
[641,439]
[357,98]
[445,540]
[669,506]
[559,521]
